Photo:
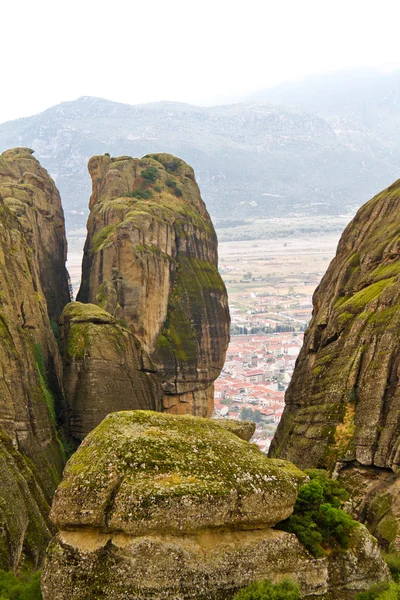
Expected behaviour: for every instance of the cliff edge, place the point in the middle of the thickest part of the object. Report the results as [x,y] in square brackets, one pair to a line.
[33,288]
[343,403]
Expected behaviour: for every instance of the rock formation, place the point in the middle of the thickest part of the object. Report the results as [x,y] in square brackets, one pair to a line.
[176,507]
[151,260]
[32,196]
[105,368]
[33,288]
[343,403]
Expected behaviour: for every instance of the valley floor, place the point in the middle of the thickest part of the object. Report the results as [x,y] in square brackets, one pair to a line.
[270,285]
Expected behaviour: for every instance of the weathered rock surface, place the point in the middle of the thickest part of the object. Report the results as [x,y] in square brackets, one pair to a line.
[177,508]
[32,196]
[243,429]
[343,402]
[105,368]
[31,397]
[141,472]
[151,259]
[375,500]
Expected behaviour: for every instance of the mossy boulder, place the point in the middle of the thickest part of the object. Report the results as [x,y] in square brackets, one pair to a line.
[151,259]
[164,507]
[243,429]
[105,368]
[140,472]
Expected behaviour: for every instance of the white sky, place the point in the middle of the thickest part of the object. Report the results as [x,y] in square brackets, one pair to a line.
[190,51]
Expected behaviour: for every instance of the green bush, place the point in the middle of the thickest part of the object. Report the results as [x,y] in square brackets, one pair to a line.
[171,183]
[393,562]
[381,591]
[24,587]
[266,590]
[317,520]
[150,174]
[139,193]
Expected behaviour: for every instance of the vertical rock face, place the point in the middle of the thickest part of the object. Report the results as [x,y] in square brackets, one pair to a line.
[31,457]
[151,259]
[343,403]
[105,368]
[31,195]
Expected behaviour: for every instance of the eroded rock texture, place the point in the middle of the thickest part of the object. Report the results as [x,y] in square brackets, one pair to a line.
[32,196]
[105,368]
[32,239]
[177,508]
[375,500]
[343,403]
[151,259]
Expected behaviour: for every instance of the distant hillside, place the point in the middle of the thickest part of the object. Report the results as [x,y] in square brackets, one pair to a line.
[251,160]
[361,106]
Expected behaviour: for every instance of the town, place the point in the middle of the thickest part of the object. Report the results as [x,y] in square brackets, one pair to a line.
[270,285]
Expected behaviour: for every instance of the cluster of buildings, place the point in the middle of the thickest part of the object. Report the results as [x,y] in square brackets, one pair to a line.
[253,381]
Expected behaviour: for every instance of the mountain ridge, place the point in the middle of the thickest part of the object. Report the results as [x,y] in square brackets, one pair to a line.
[245,154]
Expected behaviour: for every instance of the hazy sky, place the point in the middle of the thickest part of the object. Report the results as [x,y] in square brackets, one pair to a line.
[191,51]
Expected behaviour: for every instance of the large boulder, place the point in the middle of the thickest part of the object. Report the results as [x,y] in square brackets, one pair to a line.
[151,259]
[140,472]
[105,368]
[176,508]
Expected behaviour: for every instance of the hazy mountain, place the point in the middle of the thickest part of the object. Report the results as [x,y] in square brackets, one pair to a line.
[362,106]
[251,159]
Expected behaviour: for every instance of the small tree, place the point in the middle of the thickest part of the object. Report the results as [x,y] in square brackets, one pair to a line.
[150,174]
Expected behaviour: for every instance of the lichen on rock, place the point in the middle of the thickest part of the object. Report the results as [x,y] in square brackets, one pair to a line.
[343,402]
[33,288]
[105,368]
[178,508]
[141,471]
[151,259]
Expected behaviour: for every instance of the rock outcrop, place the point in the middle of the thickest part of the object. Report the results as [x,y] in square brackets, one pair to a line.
[343,403]
[177,508]
[33,287]
[375,501]
[105,368]
[32,196]
[151,260]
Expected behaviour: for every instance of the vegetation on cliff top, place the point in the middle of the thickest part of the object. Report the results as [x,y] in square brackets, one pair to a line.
[318,520]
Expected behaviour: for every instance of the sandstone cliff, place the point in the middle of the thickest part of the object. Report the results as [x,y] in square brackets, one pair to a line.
[32,196]
[343,403]
[33,287]
[176,508]
[105,368]
[151,260]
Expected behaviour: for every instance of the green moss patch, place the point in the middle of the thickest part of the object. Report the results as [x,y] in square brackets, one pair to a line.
[155,460]
[100,238]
